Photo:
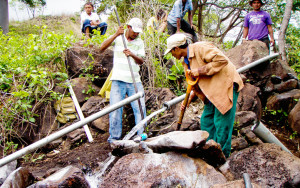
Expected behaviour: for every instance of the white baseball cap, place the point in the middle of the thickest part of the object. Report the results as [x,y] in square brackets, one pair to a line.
[175,41]
[136,24]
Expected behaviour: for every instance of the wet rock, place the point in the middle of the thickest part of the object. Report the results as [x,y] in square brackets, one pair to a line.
[267,164]
[177,140]
[67,177]
[235,184]
[6,170]
[211,153]
[20,177]
[172,141]
[80,58]
[191,142]
[161,170]
[284,101]
[294,118]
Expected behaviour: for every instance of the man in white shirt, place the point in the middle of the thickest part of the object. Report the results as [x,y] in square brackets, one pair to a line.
[90,21]
[122,82]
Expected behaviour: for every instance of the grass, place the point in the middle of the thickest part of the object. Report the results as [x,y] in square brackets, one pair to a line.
[59,24]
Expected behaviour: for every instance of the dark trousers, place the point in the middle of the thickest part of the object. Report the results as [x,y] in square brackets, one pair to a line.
[266,40]
[86,24]
[185,26]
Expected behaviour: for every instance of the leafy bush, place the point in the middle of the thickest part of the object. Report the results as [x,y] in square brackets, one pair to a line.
[28,65]
[293,41]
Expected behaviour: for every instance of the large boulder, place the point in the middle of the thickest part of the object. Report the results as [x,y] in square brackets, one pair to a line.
[6,170]
[191,142]
[20,177]
[267,164]
[80,59]
[161,170]
[247,52]
[67,177]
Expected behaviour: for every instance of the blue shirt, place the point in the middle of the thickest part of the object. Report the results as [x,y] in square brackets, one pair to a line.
[177,11]
[186,59]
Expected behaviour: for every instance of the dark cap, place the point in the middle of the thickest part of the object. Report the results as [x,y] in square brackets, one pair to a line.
[251,1]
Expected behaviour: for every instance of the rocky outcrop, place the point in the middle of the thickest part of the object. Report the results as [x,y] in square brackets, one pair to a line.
[161,170]
[192,143]
[267,164]
[89,60]
[20,177]
[66,177]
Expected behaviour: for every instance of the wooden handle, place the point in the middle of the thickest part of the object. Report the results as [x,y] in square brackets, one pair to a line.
[188,91]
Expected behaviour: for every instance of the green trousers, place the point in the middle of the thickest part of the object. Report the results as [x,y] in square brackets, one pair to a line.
[219,126]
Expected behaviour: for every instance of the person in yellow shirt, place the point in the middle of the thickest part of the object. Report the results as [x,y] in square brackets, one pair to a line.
[157,23]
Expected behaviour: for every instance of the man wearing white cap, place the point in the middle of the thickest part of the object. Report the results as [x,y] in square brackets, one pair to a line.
[122,83]
[218,86]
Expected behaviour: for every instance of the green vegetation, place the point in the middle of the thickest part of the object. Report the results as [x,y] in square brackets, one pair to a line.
[32,61]
[293,41]
[29,65]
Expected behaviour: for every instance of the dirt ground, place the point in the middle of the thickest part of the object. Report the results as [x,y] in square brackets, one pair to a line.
[86,156]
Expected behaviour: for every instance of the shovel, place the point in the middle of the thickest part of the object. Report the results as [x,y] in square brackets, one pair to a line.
[191,83]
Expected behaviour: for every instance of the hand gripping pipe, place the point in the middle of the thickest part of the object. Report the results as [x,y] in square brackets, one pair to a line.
[68,129]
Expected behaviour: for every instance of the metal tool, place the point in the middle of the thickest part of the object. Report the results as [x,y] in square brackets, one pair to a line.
[191,83]
[130,66]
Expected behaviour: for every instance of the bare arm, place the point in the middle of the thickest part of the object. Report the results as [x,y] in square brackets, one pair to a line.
[270,29]
[138,60]
[178,25]
[190,18]
[105,44]
[245,32]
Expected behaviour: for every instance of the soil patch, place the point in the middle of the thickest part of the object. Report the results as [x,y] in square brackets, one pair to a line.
[86,156]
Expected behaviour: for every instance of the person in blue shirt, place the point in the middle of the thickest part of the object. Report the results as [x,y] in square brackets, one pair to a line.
[176,21]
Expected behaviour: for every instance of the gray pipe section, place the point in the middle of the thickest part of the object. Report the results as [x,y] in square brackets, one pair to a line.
[142,123]
[247,180]
[266,136]
[257,62]
[68,129]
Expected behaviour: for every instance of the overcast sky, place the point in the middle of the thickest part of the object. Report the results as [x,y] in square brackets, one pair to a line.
[53,7]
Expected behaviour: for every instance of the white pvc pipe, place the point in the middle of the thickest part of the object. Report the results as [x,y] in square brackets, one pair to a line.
[58,134]
[78,109]
[266,136]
